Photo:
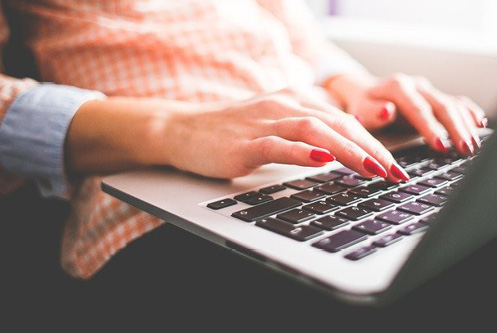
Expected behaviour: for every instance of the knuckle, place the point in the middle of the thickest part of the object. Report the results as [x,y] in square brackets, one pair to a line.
[308,125]
[295,149]
[348,148]
[266,145]
[400,81]
[273,102]
[382,154]
[345,123]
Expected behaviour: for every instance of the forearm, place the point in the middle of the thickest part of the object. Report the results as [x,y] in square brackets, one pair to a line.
[120,133]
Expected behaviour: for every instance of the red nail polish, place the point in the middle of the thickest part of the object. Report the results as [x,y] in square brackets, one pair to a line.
[385,113]
[441,146]
[374,167]
[484,122]
[398,172]
[321,156]
[467,148]
[476,142]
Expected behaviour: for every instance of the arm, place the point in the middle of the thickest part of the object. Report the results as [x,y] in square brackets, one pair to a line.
[379,102]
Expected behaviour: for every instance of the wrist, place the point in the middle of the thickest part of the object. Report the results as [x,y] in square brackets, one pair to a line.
[348,87]
[111,135]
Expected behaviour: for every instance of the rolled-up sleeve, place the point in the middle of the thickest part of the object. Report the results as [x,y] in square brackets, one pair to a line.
[33,132]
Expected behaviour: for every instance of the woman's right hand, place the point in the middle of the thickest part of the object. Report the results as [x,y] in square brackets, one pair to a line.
[283,127]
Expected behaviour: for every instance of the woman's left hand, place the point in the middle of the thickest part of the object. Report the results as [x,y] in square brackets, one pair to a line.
[434,114]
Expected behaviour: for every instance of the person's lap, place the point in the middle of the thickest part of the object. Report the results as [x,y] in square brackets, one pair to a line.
[171,274]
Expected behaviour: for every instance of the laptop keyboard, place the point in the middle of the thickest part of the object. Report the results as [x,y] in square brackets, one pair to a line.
[336,210]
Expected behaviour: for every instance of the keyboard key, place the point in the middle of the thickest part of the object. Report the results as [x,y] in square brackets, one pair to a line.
[433,182]
[344,171]
[436,164]
[340,240]
[264,210]
[415,208]
[330,222]
[383,185]
[415,189]
[445,191]
[428,219]
[300,233]
[330,188]
[272,189]
[344,199]
[308,196]
[388,240]
[349,181]
[395,217]
[372,227]
[296,216]
[463,169]
[413,228]
[450,175]
[376,205]
[361,253]
[257,199]
[244,196]
[433,199]
[354,213]
[300,184]
[364,191]
[321,207]
[397,197]
[420,172]
[221,204]
[325,177]
[405,161]
[358,176]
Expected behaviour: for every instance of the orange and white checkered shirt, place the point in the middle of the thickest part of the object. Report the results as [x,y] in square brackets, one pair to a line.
[190,50]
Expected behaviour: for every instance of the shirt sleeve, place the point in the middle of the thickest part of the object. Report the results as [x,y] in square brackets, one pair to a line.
[309,40]
[34,119]
[33,132]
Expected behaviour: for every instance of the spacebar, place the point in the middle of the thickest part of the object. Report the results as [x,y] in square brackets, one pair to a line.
[270,208]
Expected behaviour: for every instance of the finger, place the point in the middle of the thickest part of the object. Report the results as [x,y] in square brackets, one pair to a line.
[315,132]
[352,129]
[475,110]
[274,149]
[469,122]
[414,108]
[448,113]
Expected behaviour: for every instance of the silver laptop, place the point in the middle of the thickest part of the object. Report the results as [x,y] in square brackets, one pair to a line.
[364,241]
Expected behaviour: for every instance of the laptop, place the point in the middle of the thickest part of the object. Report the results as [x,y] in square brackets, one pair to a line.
[362,241]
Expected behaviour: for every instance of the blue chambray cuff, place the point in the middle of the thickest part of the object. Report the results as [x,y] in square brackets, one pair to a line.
[33,133]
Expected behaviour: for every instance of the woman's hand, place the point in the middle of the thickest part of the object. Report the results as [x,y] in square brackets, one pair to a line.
[434,114]
[283,127]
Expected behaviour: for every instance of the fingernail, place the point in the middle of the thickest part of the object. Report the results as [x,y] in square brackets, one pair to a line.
[467,148]
[476,142]
[484,122]
[321,156]
[398,172]
[374,167]
[386,112]
[442,145]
